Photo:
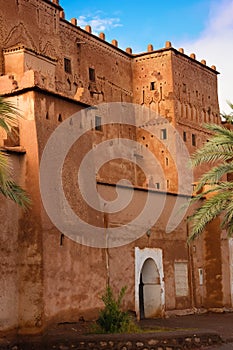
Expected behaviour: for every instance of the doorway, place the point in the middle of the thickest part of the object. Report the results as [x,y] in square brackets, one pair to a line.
[150,290]
[149,287]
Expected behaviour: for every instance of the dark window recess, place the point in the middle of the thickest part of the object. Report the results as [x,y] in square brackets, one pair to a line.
[91,74]
[98,125]
[184,136]
[67,65]
[161,92]
[163,134]
[62,239]
[157,185]
[59,117]
[184,88]
[152,85]
[166,161]
[47,115]
[193,140]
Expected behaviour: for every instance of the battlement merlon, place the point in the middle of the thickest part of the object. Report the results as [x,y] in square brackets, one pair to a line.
[128,51]
[180,51]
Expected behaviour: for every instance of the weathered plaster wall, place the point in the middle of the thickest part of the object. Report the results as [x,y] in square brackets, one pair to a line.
[9,252]
[152,82]
[50,277]
[38,27]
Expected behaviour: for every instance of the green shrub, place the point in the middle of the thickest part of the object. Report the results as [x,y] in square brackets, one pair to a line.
[112,319]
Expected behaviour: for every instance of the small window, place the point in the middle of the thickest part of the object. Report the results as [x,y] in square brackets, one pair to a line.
[62,239]
[91,74]
[184,136]
[161,92]
[193,140]
[168,184]
[163,134]
[200,274]
[152,85]
[166,161]
[59,117]
[98,125]
[184,88]
[157,185]
[67,65]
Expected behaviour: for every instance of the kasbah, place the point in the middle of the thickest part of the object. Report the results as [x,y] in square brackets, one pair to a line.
[52,69]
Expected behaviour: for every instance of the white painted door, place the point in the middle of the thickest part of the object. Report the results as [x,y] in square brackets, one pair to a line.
[151,295]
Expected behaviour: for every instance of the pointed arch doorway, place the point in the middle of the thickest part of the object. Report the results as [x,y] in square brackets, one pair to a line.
[149,285]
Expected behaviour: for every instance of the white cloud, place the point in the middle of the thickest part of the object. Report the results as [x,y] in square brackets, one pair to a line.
[98,23]
[215,46]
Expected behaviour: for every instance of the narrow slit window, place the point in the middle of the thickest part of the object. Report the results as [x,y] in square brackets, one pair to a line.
[161,92]
[59,117]
[184,136]
[152,85]
[98,125]
[91,74]
[163,134]
[67,65]
[193,140]
[62,239]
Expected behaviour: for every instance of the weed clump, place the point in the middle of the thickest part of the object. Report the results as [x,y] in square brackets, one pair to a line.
[112,319]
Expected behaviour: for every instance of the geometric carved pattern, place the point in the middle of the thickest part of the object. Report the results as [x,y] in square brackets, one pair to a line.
[19,34]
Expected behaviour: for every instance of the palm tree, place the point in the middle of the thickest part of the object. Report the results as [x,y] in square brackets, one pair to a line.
[214,187]
[9,115]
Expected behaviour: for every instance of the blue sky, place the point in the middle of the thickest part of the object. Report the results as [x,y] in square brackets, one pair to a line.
[204,27]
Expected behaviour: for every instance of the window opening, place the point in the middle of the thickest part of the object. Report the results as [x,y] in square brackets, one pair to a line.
[67,65]
[91,74]
[98,125]
[163,134]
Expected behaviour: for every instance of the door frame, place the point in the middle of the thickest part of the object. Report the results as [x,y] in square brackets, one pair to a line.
[141,255]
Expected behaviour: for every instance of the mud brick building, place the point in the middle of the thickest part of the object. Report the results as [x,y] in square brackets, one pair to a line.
[51,68]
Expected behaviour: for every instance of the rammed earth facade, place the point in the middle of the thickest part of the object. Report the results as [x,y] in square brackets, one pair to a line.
[51,68]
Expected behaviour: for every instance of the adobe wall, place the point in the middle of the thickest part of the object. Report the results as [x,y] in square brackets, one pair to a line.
[195,101]
[38,26]
[9,251]
[58,71]
[75,276]
[152,82]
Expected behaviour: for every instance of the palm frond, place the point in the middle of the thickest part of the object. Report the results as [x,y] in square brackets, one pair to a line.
[9,115]
[4,164]
[208,211]
[16,193]
[228,116]
[218,197]
[219,130]
[210,153]
[213,176]
[8,187]
[228,218]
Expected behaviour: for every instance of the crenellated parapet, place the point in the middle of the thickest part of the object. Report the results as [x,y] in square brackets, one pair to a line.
[114,42]
[87,67]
